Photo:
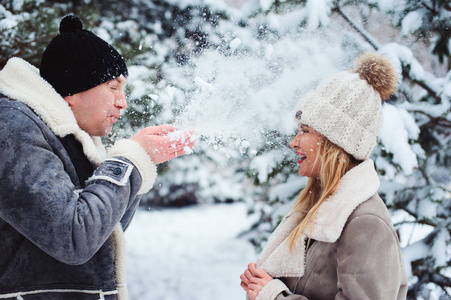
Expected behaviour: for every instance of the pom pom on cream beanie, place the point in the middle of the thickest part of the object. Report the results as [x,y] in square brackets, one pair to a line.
[347,109]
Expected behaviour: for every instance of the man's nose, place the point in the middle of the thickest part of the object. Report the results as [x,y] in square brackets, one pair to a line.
[120,101]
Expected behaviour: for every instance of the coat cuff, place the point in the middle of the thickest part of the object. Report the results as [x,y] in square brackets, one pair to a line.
[272,289]
[132,151]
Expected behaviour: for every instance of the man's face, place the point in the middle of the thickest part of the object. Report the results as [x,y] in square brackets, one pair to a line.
[97,109]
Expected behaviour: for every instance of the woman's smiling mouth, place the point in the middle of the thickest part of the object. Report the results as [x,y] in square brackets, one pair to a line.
[302,157]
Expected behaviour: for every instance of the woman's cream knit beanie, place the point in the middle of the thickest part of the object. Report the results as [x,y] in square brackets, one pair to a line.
[348,108]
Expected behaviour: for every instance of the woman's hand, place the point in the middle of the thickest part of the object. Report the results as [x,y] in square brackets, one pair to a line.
[253,280]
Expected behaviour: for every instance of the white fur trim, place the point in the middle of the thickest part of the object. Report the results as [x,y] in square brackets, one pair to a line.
[21,81]
[272,289]
[356,186]
[132,151]
[118,245]
[276,258]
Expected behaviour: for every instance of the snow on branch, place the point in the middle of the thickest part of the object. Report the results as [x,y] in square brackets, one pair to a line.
[361,31]
[413,74]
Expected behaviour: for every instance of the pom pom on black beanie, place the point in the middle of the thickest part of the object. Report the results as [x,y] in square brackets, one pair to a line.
[77,60]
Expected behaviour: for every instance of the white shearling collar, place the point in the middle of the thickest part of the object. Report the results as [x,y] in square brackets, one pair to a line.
[355,187]
[21,81]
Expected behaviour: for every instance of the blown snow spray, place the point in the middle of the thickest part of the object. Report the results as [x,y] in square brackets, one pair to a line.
[242,99]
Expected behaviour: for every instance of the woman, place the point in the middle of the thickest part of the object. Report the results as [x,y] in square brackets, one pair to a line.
[337,241]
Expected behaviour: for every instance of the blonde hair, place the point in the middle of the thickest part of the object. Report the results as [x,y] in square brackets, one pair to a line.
[335,162]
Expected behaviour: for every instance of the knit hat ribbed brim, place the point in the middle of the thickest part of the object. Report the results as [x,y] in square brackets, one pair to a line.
[77,60]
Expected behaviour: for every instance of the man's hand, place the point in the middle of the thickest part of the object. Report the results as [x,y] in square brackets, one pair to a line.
[253,280]
[161,146]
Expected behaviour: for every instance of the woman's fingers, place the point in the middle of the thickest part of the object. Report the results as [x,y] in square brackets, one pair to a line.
[252,294]
[255,281]
[248,274]
[244,279]
[260,273]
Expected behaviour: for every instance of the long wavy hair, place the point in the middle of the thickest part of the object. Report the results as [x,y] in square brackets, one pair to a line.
[335,162]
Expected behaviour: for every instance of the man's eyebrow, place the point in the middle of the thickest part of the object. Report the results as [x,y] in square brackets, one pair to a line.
[120,79]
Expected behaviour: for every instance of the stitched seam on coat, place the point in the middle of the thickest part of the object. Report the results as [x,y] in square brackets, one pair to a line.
[390,228]
[377,217]
[305,265]
[18,294]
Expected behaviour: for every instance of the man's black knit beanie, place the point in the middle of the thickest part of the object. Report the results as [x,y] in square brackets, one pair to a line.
[77,60]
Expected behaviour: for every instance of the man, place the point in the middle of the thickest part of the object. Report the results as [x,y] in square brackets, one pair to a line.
[64,201]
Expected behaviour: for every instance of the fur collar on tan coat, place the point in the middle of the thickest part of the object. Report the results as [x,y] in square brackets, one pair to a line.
[355,187]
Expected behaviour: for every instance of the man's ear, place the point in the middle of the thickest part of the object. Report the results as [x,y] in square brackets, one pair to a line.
[69,100]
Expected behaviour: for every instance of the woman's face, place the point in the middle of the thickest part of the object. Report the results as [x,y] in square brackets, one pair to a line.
[306,144]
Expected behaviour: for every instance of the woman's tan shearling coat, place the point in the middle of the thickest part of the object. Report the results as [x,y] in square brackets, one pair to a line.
[356,253]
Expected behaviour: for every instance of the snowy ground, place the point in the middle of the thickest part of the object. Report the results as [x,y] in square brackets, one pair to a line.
[190,253]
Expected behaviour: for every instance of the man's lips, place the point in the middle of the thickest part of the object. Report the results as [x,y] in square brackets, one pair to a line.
[114,117]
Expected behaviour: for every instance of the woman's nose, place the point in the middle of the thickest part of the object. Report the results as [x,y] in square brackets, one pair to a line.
[294,142]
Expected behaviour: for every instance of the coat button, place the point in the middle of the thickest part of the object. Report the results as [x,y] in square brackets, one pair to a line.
[117,171]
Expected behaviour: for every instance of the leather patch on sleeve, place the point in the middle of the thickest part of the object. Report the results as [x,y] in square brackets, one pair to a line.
[113,170]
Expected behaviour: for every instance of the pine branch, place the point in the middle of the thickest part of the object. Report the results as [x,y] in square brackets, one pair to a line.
[361,31]
[367,37]
[433,121]
[425,276]
[417,218]
[424,85]
[431,9]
